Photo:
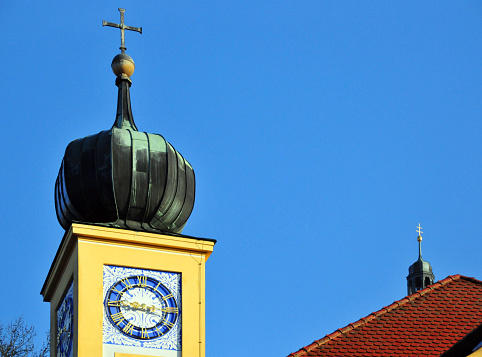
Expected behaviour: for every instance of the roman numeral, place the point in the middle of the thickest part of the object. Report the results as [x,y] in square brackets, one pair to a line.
[167,297]
[127,283]
[168,323]
[117,291]
[113,303]
[144,333]
[142,281]
[117,318]
[157,287]
[128,328]
[170,310]
[159,333]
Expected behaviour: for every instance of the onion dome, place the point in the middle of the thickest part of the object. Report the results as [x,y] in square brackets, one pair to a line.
[122,177]
[420,273]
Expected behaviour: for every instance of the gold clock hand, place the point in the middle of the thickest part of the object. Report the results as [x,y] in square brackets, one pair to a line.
[138,306]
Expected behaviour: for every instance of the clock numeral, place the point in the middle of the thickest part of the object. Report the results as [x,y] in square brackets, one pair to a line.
[128,328]
[159,333]
[167,297]
[113,303]
[170,310]
[157,286]
[168,323]
[144,333]
[118,292]
[117,318]
[142,281]
[127,283]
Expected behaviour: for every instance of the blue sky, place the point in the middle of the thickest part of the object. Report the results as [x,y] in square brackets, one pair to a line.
[321,134]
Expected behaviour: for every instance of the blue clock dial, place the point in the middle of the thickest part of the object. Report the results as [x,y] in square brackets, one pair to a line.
[65,322]
[141,307]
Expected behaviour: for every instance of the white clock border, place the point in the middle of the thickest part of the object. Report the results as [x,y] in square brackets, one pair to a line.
[112,336]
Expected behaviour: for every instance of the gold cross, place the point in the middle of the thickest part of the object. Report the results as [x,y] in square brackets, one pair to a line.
[122,27]
[419,230]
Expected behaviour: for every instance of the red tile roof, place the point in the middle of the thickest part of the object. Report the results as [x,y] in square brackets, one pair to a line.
[426,323]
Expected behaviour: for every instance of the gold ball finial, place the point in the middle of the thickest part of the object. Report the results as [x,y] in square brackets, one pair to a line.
[419,238]
[123,65]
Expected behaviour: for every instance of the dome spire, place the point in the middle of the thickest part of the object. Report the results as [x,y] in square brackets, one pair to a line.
[123,67]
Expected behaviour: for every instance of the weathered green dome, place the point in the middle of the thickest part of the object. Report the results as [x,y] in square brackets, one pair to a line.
[125,178]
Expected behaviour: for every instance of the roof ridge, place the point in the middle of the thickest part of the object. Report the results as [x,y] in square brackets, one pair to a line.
[364,320]
[469,278]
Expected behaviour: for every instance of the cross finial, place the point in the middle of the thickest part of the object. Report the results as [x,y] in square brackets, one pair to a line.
[419,230]
[122,27]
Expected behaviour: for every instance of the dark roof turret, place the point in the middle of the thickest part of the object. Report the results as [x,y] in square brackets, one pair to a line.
[420,273]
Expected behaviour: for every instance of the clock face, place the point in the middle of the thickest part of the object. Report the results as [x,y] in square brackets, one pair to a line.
[65,323]
[142,308]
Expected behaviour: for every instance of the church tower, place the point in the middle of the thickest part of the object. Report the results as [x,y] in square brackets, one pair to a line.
[125,282]
[419,273]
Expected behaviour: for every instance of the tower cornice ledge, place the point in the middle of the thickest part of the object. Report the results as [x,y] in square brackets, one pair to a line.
[120,237]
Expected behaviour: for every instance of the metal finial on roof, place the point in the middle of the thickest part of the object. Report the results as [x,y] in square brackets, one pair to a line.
[419,239]
[122,27]
[419,230]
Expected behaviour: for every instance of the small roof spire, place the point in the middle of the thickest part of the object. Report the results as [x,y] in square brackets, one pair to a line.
[420,273]
[419,239]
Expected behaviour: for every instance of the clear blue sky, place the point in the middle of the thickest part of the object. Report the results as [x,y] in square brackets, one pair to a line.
[321,134]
